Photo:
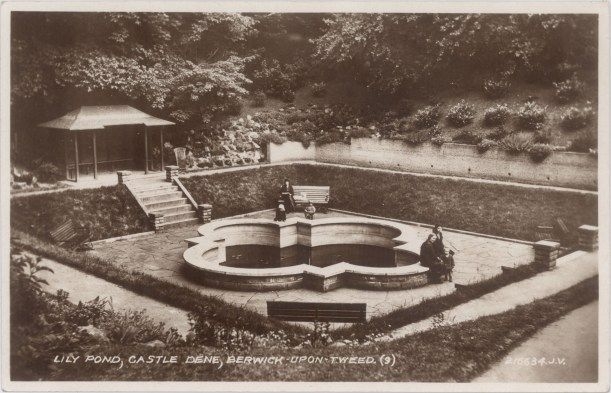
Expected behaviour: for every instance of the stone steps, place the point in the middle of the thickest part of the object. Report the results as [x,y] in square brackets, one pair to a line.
[177,208]
[161,197]
[154,206]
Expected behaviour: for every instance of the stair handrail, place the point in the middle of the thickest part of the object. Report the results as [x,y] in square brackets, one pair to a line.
[182,188]
[131,191]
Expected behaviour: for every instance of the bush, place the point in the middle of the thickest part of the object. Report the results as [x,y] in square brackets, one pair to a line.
[540,151]
[276,80]
[419,137]
[258,99]
[584,143]
[359,132]
[427,116]
[576,118]
[332,136]
[48,173]
[468,137]
[273,137]
[531,116]
[439,140]
[497,134]
[515,143]
[569,90]
[299,135]
[496,88]
[486,144]
[497,115]
[543,135]
[319,89]
[461,114]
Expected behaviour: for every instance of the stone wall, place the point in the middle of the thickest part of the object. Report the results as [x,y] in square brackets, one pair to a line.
[564,169]
[290,151]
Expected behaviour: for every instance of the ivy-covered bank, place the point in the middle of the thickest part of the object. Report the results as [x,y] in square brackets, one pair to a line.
[495,209]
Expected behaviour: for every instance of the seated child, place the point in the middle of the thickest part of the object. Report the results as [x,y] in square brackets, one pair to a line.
[280,212]
[309,211]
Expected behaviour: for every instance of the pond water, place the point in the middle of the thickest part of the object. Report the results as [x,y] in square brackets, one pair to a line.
[258,256]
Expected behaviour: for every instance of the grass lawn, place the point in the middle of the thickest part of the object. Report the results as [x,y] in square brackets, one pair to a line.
[494,209]
[446,354]
[106,212]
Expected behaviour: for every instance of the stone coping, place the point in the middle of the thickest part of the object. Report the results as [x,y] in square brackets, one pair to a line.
[209,240]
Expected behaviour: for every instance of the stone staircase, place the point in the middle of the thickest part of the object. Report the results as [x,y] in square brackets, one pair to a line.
[161,197]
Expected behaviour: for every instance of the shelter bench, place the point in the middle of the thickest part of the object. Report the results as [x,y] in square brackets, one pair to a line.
[318,195]
[69,234]
[317,312]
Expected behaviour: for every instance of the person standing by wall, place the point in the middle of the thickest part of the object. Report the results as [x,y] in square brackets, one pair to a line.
[286,193]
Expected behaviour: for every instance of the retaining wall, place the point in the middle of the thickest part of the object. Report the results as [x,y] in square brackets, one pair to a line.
[563,169]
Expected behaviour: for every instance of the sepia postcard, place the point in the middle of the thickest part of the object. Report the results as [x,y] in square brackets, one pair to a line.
[304,196]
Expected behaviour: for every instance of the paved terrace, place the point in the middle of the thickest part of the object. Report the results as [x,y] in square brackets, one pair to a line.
[160,255]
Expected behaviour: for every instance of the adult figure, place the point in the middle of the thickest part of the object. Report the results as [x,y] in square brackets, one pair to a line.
[440,249]
[427,252]
[286,193]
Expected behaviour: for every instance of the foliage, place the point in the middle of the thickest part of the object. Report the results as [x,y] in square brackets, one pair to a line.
[390,53]
[486,144]
[319,89]
[496,88]
[427,116]
[531,116]
[499,133]
[568,90]
[461,114]
[419,137]
[276,79]
[468,137]
[540,151]
[497,115]
[332,136]
[299,135]
[515,143]
[575,118]
[259,99]
[271,137]
[359,132]
[48,173]
[543,135]
[585,142]
[105,212]
[439,140]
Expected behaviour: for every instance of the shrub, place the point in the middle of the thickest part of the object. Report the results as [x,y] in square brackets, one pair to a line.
[486,144]
[319,89]
[48,173]
[576,118]
[332,136]
[468,137]
[419,137]
[439,140]
[299,135]
[276,80]
[272,137]
[497,134]
[359,132]
[515,143]
[461,114]
[543,135]
[259,99]
[531,116]
[584,143]
[496,88]
[427,116]
[497,115]
[539,151]
[569,89]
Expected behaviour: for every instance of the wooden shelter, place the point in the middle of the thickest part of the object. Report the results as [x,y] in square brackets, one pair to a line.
[109,138]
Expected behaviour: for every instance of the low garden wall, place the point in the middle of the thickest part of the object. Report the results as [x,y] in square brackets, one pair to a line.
[564,169]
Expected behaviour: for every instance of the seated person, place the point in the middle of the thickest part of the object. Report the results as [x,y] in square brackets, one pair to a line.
[309,211]
[280,212]
[427,252]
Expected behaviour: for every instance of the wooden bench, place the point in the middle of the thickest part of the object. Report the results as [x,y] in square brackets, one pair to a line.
[317,312]
[70,235]
[318,195]
[558,232]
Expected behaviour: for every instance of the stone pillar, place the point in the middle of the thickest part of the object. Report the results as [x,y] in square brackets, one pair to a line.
[171,171]
[123,177]
[158,221]
[546,253]
[204,212]
[588,237]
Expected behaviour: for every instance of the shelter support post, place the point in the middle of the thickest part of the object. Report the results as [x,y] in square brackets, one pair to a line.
[146,151]
[65,141]
[76,168]
[95,156]
[161,147]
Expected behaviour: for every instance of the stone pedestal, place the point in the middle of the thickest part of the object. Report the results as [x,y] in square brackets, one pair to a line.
[158,221]
[588,237]
[171,171]
[123,177]
[546,253]
[204,212]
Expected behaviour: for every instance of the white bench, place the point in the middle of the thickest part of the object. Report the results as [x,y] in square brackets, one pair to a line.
[318,195]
